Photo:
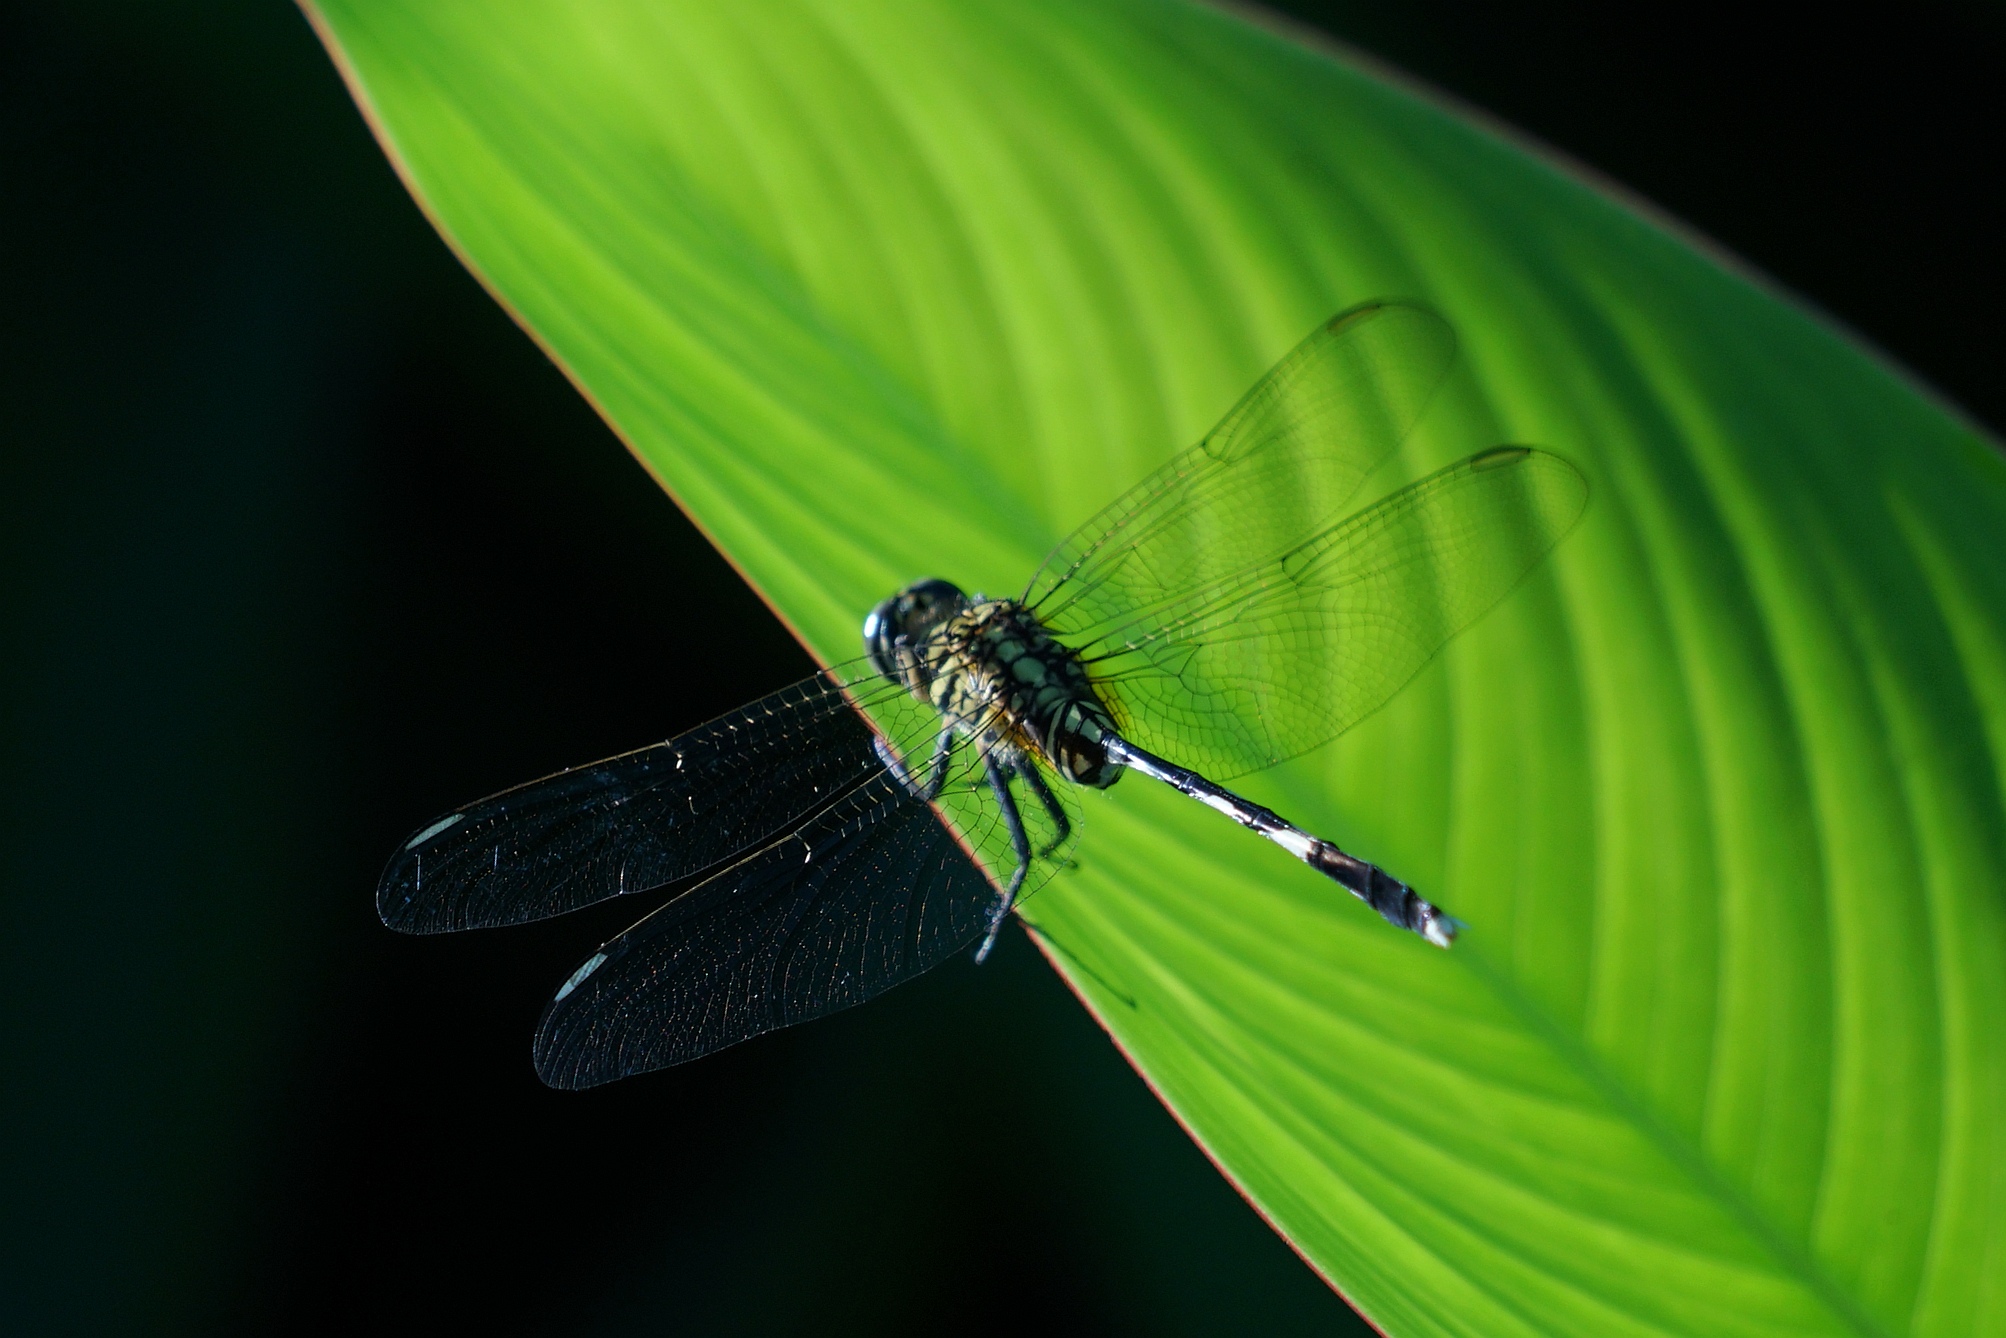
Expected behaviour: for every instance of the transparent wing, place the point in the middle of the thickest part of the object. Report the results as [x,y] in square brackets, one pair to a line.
[868,893]
[1245,672]
[638,821]
[1277,469]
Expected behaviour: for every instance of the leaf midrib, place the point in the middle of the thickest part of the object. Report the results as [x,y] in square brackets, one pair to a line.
[1790,1258]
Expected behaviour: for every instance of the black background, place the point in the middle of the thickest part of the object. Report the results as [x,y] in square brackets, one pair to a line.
[305,543]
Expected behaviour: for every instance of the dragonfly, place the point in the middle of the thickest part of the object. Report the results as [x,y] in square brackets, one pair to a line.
[823,844]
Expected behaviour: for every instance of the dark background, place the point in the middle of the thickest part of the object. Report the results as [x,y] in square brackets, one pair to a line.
[304,543]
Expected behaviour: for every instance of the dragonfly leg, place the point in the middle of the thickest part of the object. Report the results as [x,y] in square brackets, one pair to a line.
[1398,903]
[937,777]
[1062,827]
[1020,844]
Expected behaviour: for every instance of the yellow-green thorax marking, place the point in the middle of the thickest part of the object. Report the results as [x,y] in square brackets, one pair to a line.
[993,671]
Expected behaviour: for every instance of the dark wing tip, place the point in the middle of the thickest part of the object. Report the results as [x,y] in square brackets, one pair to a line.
[1422,319]
[569,1051]
[401,902]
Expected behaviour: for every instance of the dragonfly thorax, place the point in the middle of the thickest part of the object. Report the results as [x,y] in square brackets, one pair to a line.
[993,671]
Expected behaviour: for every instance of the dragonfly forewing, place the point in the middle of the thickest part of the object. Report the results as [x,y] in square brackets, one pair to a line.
[1284,461]
[1284,658]
[647,818]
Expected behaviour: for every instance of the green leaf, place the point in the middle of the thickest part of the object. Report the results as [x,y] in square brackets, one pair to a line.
[888,290]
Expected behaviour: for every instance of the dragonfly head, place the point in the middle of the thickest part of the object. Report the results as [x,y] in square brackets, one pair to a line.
[905,620]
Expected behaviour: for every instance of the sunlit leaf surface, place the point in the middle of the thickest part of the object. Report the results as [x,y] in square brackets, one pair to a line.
[897,289]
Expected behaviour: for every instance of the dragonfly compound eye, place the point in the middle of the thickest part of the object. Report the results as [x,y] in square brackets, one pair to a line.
[909,615]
